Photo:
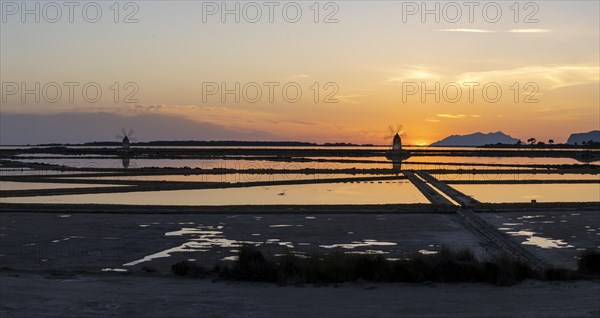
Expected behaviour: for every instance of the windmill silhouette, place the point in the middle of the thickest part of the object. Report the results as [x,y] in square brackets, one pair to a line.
[396,133]
[126,138]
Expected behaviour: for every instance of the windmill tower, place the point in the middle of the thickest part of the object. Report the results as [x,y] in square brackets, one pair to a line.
[125,143]
[397,143]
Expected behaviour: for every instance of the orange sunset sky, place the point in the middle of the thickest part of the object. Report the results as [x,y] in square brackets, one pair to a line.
[370,58]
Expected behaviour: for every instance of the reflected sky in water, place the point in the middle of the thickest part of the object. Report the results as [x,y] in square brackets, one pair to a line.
[497,193]
[375,192]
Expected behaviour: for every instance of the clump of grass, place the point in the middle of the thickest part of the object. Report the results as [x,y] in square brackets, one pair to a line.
[251,265]
[589,262]
[189,269]
[448,266]
[445,266]
[504,270]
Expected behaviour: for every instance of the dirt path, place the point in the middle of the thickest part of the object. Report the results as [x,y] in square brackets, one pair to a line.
[30,295]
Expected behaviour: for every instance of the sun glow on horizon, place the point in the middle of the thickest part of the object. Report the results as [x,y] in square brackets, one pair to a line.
[421,143]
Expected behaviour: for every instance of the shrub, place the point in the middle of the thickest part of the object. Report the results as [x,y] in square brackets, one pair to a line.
[251,266]
[445,266]
[187,268]
[589,262]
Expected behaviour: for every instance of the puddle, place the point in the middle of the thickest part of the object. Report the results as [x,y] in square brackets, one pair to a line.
[120,270]
[186,247]
[542,242]
[355,244]
[10,185]
[500,193]
[335,193]
[197,231]
[368,252]
[62,239]
[204,238]
[530,217]
[212,239]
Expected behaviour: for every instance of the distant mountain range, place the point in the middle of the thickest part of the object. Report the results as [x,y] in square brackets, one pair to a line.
[476,139]
[580,138]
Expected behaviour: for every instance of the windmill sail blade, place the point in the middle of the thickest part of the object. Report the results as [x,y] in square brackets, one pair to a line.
[394,130]
[398,129]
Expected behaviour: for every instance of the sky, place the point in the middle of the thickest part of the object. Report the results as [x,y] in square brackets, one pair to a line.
[339,71]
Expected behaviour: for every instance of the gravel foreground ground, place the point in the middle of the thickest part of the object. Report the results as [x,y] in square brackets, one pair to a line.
[52,266]
[116,295]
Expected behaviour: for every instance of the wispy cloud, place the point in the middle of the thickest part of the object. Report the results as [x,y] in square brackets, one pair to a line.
[101,126]
[438,117]
[298,76]
[466,30]
[217,115]
[417,73]
[530,31]
[546,76]
[494,31]
[457,116]
[233,118]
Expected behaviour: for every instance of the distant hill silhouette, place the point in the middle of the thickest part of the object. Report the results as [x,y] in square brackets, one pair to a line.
[216,143]
[476,139]
[579,138]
